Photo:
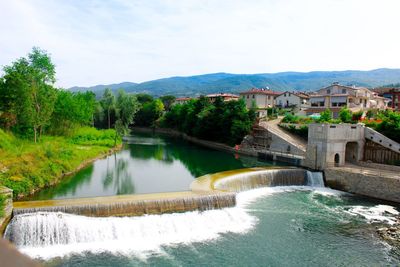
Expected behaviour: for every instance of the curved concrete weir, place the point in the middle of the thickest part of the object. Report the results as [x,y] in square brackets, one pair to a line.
[213,191]
[246,179]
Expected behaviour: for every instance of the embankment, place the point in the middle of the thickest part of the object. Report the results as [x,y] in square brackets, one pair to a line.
[209,144]
[26,167]
[370,182]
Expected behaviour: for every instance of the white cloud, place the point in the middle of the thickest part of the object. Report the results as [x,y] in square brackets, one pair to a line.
[94,42]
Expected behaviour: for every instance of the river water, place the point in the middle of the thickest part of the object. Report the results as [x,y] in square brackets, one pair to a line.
[277,226]
[147,164]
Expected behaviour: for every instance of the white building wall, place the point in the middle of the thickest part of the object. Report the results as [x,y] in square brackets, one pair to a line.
[288,99]
[261,100]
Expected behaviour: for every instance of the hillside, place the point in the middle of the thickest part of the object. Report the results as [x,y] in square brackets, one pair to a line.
[226,82]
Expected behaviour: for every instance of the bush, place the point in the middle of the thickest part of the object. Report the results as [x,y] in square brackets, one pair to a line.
[290,118]
[357,116]
[326,116]
[345,115]
[92,136]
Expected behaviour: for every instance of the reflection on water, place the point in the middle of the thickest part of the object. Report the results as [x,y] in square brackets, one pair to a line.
[147,164]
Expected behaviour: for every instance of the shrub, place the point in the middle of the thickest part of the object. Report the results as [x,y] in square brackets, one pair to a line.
[326,116]
[345,115]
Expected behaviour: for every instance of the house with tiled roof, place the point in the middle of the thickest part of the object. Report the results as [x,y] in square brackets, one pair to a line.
[262,98]
[292,99]
[336,96]
[225,97]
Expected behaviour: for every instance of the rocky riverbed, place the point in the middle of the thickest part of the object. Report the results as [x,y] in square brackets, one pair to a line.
[391,234]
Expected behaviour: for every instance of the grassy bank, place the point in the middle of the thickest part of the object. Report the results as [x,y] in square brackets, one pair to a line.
[26,167]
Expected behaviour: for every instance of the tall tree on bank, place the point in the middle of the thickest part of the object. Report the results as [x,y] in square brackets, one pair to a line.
[126,108]
[27,93]
[108,104]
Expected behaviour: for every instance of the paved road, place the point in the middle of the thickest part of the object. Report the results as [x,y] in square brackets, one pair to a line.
[273,127]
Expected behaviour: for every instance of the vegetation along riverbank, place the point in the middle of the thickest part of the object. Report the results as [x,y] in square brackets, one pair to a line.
[47,132]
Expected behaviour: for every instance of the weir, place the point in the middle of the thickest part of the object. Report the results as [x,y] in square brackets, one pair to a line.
[131,205]
[251,178]
[214,191]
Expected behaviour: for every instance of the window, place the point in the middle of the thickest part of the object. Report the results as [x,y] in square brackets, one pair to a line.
[284,95]
[254,96]
[248,96]
[328,91]
[344,91]
[269,97]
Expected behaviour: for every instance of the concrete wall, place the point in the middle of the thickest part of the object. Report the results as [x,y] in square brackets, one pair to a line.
[363,183]
[8,207]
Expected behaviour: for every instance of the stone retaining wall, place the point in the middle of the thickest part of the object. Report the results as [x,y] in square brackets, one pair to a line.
[364,183]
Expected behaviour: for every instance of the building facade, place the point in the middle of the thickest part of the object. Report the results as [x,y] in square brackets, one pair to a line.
[262,98]
[391,94]
[292,99]
[225,97]
[336,96]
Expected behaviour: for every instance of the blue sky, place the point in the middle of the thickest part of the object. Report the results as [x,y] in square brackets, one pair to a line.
[100,42]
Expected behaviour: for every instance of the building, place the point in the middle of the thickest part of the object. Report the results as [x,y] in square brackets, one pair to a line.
[292,99]
[391,94]
[225,97]
[262,98]
[337,96]
[259,98]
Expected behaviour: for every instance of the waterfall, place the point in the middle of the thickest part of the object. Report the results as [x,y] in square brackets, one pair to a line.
[265,178]
[52,234]
[315,179]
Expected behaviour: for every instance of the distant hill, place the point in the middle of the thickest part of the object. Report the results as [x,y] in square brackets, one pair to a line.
[100,88]
[226,82]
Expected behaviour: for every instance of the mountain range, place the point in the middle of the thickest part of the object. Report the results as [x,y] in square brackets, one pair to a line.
[235,83]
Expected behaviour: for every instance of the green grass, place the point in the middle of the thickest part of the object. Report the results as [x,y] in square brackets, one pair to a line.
[26,166]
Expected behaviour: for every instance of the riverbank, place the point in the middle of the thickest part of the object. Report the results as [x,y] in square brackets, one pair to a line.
[194,140]
[26,167]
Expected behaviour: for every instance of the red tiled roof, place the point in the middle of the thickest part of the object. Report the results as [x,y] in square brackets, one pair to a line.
[260,91]
[223,95]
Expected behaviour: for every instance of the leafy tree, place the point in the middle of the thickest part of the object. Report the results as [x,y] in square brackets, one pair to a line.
[149,113]
[27,94]
[167,101]
[144,98]
[126,106]
[326,116]
[108,104]
[345,115]
[72,109]
[226,122]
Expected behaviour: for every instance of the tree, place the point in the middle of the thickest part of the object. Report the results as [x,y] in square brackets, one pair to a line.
[326,116]
[126,108]
[108,104]
[144,98]
[149,113]
[27,94]
[167,101]
[72,108]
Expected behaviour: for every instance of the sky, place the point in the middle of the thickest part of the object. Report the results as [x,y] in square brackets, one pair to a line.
[103,42]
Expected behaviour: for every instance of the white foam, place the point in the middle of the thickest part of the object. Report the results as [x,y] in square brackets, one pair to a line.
[48,235]
[378,213]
